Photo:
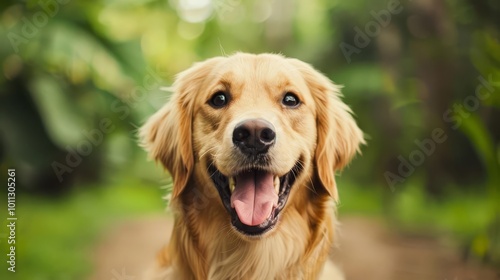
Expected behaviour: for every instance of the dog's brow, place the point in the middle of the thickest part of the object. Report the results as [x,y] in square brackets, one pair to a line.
[225,79]
[279,84]
[284,83]
[226,83]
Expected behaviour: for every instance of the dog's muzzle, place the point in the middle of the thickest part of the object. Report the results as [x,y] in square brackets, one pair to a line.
[252,194]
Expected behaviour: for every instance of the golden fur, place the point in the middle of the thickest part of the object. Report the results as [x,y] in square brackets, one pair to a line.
[187,133]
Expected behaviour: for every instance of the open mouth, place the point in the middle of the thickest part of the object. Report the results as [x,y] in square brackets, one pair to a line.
[254,197]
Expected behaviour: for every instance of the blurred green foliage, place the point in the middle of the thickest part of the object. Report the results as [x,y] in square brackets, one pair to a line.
[79,77]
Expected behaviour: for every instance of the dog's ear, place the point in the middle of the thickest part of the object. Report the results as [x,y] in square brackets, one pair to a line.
[338,136]
[167,135]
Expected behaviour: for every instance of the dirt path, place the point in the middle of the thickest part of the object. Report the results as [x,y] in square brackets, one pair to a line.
[368,250]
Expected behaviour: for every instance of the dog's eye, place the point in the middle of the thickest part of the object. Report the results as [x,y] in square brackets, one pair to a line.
[290,100]
[219,100]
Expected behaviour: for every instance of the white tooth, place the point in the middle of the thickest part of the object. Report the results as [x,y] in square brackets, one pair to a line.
[232,184]
[277,184]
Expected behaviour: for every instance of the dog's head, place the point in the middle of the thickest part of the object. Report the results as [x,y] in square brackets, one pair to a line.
[256,127]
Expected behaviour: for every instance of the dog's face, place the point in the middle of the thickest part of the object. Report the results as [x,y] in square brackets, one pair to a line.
[254,130]
[255,127]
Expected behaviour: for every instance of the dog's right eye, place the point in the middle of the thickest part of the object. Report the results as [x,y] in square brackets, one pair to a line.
[290,100]
[219,100]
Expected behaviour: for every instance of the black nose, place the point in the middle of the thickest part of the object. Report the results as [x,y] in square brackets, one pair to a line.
[254,136]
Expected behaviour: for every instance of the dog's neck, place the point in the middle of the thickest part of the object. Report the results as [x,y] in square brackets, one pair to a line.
[267,258]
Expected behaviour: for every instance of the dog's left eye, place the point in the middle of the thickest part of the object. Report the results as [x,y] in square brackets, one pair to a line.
[219,100]
[290,100]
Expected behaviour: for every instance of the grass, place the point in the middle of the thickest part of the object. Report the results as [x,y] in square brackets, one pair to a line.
[359,200]
[469,219]
[409,206]
[55,237]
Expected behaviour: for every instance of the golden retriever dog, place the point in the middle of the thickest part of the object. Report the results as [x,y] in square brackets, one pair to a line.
[252,143]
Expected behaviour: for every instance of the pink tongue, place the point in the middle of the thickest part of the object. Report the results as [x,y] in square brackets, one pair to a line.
[254,197]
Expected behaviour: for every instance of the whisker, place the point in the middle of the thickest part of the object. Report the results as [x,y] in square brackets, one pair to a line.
[207,151]
[310,186]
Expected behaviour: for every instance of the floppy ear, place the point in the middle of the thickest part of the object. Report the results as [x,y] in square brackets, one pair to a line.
[338,136]
[167,135]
